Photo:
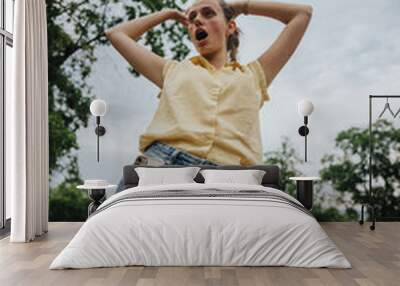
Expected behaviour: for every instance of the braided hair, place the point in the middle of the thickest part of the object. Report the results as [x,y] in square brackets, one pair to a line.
[232,43]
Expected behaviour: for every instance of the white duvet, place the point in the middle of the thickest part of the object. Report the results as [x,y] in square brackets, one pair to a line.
[200,231]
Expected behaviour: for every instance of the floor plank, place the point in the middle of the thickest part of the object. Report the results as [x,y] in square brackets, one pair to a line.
[374,255]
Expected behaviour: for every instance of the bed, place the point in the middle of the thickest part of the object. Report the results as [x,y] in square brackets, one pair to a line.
[198,224]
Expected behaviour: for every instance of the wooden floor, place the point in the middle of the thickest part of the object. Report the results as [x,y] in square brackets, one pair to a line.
[375,257]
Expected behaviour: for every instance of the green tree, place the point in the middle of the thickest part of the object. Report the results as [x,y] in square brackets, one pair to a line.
[67,203]
[348,170]
[75,29]
[287,159]
[333,214]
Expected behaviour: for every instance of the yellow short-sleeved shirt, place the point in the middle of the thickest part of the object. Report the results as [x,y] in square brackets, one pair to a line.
[212,114]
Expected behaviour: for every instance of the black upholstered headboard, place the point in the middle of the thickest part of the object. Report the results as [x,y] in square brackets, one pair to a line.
[270,179]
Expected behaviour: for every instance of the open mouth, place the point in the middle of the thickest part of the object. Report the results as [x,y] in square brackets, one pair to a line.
[201,34]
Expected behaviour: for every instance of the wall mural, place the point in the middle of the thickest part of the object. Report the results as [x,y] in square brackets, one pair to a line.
[182,104]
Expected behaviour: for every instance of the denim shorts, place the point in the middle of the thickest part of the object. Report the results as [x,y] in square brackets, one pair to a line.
[174,156]
[169,155]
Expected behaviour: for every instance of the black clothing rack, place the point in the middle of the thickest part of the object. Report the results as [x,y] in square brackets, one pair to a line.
[371,203]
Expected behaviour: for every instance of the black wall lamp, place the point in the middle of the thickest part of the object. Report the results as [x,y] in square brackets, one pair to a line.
[305,108]
[98,108]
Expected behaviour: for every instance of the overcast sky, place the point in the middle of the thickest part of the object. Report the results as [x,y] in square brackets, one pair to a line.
[350,50]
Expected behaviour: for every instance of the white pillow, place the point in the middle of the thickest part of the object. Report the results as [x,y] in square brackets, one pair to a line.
[163,176]
[248,177]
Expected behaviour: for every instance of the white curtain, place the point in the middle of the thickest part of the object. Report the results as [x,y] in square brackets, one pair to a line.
[28,123]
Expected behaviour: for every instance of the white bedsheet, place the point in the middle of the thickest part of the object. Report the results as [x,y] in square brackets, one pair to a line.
[200,231]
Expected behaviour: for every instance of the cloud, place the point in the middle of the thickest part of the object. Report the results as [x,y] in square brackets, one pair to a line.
[349,51]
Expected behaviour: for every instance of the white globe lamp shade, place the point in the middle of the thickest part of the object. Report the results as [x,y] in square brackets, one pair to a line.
[305,107]
[98,107]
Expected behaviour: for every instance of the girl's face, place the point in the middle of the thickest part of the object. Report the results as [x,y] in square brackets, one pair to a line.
[207,27]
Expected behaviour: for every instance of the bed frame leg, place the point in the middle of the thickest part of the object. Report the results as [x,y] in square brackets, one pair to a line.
[372,226]
[361,221]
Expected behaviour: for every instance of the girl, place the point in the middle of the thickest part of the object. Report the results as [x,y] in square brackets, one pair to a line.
[209,104]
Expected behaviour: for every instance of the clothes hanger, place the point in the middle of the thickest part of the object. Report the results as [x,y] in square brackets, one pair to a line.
[387,107]
[398,111]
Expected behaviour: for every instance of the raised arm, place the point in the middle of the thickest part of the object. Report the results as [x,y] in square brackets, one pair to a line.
[124,38]
[295,17]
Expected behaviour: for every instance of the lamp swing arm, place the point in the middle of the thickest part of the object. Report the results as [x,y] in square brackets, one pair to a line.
[306,131]
[305,108]
[305,146]
[98,108]
[98,137]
